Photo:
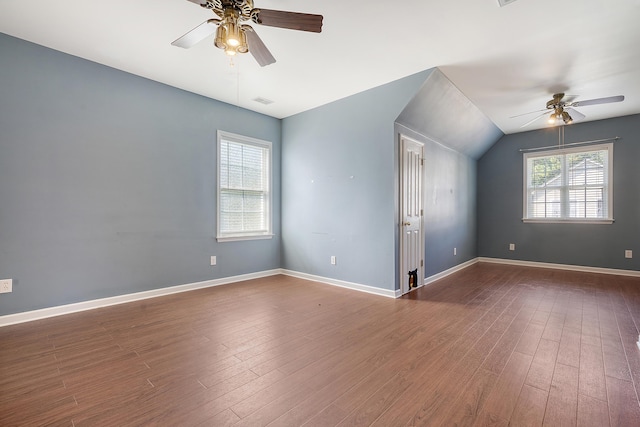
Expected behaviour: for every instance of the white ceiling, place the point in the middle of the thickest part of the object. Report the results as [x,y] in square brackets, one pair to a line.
[506,60]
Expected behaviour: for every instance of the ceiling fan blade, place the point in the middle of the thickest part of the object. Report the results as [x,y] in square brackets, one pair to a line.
[596,101]
[526,114]
[198,34]
[257,48]
[575,114]
[531,121]
[289,20]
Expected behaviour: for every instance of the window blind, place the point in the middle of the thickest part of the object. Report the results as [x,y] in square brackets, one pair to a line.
[569,184]
[243,195]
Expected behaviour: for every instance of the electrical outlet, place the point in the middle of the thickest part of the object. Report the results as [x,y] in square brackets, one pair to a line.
[455,251]
[214,260]
[628,253]
[6,286]
[333,260]
[512,246]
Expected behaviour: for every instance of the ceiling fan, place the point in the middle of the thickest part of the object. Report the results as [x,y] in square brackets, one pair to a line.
[233,36]
[562,111]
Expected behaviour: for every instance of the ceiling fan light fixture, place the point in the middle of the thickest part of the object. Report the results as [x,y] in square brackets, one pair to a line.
[233,34]
[230,37]
[243,46]
[566,118]
[221,37]
[231,44]
[552,118]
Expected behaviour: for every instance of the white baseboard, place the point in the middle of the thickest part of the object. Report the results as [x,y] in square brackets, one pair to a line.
[373,290]
[28,316]
[450,271]
[581,268]
[341,283]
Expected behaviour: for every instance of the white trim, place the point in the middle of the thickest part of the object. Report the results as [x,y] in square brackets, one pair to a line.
[429,138]
[581,268]
[568,221]
[240,238]
[454,269]
[60,310]
[341,283]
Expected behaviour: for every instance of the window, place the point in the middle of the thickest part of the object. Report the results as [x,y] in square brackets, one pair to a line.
[569,185]
[244,188]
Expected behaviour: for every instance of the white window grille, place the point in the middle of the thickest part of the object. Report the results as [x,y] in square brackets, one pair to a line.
[573,185]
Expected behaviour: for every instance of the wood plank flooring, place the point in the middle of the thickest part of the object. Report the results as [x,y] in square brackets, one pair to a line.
[490,345]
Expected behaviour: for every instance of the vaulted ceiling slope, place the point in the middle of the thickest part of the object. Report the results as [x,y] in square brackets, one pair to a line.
[506,60]
[442,113]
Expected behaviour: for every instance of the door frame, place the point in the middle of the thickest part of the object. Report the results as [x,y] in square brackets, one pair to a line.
[403,282]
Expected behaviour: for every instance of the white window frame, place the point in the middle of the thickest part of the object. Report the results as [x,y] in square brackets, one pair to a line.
[609,185]
[250,235]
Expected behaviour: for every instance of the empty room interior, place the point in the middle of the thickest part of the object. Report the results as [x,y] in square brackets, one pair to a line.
[320,213]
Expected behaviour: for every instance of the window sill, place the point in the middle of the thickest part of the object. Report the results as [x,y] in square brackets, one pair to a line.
[568,221]
[240,238]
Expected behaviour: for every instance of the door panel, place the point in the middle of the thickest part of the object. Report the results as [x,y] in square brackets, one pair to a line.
[411,213]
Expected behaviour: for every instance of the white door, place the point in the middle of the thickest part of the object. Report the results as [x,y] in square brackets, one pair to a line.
[411,213]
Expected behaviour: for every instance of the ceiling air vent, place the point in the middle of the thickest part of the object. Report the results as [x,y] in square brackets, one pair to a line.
[262,100]
[505,2]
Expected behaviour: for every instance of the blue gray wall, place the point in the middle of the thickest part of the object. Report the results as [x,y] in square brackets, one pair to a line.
[338,191]
[107,182]
[500,189]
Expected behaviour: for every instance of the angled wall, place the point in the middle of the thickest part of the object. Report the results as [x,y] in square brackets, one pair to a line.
[107,182]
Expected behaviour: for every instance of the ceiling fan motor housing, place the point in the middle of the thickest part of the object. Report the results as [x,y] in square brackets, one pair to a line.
[244,7]
[556,101]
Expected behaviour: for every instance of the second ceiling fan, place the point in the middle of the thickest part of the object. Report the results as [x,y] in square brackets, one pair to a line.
[234,36]
[563,111]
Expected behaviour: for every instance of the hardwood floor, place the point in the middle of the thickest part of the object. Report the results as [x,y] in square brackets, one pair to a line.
[490,345]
